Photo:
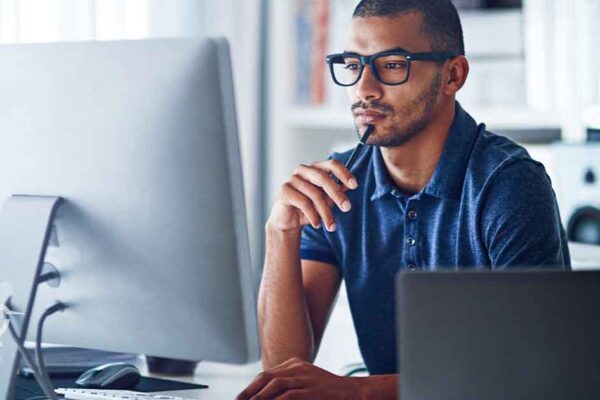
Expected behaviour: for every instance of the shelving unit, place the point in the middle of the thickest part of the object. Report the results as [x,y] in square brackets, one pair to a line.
[498,118]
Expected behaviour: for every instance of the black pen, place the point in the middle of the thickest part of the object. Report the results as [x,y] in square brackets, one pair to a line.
[357,150]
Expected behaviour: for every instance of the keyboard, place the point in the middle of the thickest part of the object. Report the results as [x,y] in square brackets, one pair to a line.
[98,394]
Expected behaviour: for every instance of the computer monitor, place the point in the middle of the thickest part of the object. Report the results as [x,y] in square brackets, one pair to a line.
[139,139]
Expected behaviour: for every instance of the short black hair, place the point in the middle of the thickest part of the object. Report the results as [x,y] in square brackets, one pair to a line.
[440,19]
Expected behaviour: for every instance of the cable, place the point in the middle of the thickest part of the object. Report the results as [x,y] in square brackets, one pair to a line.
[39,371]
[58,306]
[29,362]
[356,371]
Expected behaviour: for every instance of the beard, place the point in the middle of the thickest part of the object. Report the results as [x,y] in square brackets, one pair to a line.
[418,113]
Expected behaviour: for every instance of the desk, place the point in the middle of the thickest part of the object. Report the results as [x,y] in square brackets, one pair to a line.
[224,381]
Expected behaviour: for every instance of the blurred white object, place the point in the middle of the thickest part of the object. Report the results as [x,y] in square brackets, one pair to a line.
[591,116]
[497,33]
[578,174]
[540,54]
[584,256]
[494,83]
[494,47]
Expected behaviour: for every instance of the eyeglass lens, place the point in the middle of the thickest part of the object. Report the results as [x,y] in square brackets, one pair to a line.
[392,69]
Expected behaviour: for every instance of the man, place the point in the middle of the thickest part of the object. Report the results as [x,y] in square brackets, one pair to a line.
[432,191]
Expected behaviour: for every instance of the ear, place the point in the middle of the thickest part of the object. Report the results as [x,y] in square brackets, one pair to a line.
[457,71]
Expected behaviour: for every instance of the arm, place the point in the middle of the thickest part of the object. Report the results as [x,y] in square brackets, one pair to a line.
[295,300]
[296,296]
[384,387]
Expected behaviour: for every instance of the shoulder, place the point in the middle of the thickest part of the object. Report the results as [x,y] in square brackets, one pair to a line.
[496,161]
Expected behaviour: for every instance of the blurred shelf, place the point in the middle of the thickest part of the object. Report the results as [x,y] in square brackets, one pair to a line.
[320,118]
[504,25]
[307,118]
[507,118]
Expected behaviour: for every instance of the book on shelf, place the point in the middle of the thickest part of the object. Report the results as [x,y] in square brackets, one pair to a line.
[312,29]
[303,50]
[318,70]
[321,27]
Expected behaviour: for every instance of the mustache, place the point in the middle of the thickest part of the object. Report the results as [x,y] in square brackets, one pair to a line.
[373,105]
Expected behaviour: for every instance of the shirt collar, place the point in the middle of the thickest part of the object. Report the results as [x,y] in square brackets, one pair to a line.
[448,177]
[383,181]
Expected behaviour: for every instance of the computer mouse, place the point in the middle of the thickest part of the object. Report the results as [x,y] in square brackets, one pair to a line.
[110,376]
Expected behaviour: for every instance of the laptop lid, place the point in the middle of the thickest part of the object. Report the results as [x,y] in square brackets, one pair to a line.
[499,335]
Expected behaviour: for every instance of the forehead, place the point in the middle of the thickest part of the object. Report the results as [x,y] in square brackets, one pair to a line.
[368,35]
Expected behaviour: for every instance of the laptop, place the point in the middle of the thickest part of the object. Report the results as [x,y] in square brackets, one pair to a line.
[499,335]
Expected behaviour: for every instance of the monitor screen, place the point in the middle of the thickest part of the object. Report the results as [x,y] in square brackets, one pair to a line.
[140,140]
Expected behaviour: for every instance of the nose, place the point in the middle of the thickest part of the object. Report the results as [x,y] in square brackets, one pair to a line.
[368,87]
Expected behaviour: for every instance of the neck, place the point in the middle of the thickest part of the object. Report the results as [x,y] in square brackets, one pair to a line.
[412,164]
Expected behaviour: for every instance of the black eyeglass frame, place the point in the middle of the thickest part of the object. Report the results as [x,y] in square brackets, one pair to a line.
[435,56]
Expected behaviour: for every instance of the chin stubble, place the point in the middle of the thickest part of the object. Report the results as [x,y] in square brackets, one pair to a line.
[398,136]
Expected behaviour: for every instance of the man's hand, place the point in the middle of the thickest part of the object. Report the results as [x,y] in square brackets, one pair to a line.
[297,379]
[309,194]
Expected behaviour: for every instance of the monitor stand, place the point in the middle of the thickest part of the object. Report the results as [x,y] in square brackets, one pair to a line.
[25,229]
[170,366]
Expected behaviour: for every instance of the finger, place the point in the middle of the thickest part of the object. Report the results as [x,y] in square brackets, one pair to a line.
[296,199]
[255,386]
[297,394]
[340,171]
[278,386]
[321,178]
[318,198]
[265,377]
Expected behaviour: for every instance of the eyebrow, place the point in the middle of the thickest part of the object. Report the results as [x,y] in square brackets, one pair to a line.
[392,49]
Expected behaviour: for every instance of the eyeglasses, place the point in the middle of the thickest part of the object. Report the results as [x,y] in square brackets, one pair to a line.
[390,67]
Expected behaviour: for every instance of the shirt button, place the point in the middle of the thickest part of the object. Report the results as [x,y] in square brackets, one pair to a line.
[412,267]
[411,241]
[412,214]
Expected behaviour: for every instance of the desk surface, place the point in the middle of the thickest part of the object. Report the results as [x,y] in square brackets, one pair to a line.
[224,381]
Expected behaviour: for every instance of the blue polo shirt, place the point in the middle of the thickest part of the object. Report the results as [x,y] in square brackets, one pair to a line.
[487,206]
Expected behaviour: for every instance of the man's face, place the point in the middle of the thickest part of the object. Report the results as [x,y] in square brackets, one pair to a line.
[399,112]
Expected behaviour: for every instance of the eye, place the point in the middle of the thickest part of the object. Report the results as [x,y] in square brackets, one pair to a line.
[352,67]
[395,65]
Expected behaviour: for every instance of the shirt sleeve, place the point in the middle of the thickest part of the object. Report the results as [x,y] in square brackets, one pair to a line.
[315,246]
[521,224]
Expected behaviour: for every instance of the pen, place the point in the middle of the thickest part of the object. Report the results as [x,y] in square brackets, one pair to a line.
[357,150]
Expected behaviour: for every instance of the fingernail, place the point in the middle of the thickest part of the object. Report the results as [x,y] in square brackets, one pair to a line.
[346,206]
[332,227]
[352,184]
